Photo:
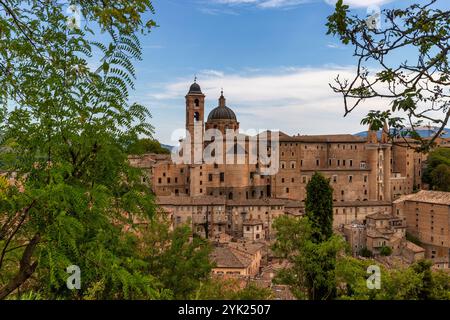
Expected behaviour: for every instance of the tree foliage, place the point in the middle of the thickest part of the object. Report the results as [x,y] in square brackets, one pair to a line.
[416,88]
[230,289]
[437,170]
[417,282]
[319,206]
[180,261]
[312,271]
[64,129]
[143,146]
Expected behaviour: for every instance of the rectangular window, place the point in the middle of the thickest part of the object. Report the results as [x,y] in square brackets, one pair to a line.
[222,177]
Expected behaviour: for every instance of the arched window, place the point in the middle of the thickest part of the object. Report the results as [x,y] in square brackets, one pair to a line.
[196,116]
[197,102]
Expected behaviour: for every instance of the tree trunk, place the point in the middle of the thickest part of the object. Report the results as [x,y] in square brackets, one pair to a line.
[27,268]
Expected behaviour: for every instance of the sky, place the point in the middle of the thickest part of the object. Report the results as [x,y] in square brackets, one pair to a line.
[272,58]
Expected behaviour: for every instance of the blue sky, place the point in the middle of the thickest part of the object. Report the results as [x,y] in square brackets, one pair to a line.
[272,58]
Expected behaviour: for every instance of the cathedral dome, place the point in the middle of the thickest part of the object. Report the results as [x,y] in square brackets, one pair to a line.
[222,112]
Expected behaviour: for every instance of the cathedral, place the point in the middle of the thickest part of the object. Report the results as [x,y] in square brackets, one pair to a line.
[241,199]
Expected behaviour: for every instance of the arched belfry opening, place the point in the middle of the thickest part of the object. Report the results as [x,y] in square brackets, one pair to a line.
[196,116]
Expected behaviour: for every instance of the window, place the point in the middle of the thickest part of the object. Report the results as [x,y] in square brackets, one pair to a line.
[351,163]
[222,177]
[317,162]
[210,177]
[334,179]
[159,180]
[168,180]
[365,178]
[282,180]
[362,165]
[304,179]
[287,190]
[176,180]
[350,179]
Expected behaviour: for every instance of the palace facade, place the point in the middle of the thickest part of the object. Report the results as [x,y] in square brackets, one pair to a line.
[366,173]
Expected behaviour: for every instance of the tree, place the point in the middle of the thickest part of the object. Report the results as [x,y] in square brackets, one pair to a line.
[230,289]
[319,206]
[416,282]
[437,170]
[147,146]
[386,251]
[178,260]
[69,124]
[312,271]
[416,88]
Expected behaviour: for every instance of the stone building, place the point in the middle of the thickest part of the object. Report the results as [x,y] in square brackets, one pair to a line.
[427,215]
[380,230]
[237,259]
[366,173]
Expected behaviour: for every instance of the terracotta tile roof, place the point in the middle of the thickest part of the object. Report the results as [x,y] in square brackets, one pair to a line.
[379,216]
[434,197]
[189,201]
[253,222]
[335,138]
[225,257]
[413,247]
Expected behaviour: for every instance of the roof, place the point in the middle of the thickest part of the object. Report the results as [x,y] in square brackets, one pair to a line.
[222,113]
[413,247]
[235,255]
[257,202]
[379,216]
[434,197]
[253,222]
[225,257]
[195,89]
[334,138]
[186,201]
[376,234]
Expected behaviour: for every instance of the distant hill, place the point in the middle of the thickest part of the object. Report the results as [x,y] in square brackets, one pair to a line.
[166,146]
[424,132]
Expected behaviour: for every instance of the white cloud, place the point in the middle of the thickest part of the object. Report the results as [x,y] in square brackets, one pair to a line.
[360,3]
[294,100]
[293,3]
[265,3]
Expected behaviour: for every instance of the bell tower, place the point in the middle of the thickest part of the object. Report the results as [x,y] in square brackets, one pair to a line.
[195,111]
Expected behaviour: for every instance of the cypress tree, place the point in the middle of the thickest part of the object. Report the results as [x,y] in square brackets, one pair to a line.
[319,207]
